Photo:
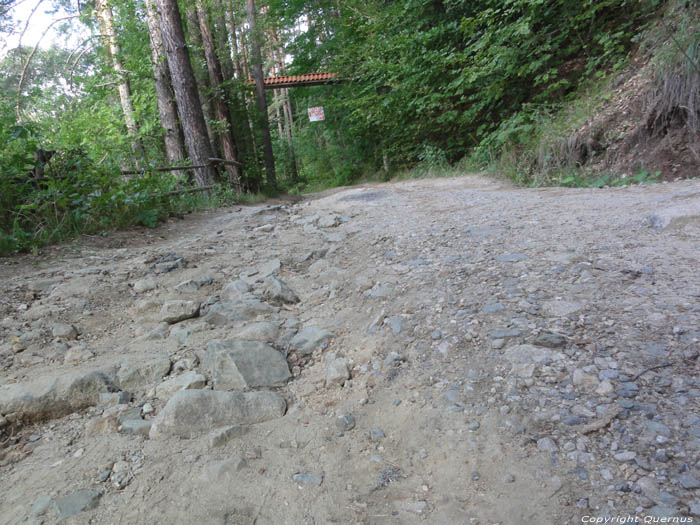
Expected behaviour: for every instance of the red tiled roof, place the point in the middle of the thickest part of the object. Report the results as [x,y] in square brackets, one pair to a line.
[311,79]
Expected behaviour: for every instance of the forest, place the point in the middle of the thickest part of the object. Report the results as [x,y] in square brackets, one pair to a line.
[93,121]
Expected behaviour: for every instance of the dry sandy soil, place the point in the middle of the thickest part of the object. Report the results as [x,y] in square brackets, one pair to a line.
[439,351]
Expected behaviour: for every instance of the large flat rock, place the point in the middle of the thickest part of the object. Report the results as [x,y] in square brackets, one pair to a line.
[136,374]
[241,365]
[54,396]
[192,413]
[245,309]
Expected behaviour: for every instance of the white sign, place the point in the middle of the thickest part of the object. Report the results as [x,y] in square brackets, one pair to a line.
[316,114]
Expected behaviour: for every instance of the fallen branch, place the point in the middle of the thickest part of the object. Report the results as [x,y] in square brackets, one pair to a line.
[186,190]
[178,168]
[663,365]
[230,162]
[599,423]
[171,168]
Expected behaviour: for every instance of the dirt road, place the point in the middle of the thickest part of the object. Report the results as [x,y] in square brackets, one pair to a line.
[439,351]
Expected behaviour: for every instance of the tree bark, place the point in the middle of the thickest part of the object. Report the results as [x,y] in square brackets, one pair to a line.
[106,18]
[200,76]
[185,87]
[260,96]
[228,144]
[167,108]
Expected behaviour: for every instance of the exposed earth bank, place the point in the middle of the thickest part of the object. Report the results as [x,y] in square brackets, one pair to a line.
[439,351]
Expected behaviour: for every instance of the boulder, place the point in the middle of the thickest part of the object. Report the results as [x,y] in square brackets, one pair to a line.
[262,331]
[54,396]
[192,413]
[143,374]
[309,339]
[235,290]
[277,292]
[240,365]
[261,272]
[245,309]
[176,311]
[187,381]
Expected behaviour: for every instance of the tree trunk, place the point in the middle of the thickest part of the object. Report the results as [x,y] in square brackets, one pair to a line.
[167,108]
[106,18]
[278,56]
[201,77]
[228,144]
[240,64]
[234,45]
[260,96]
[185,87]
[223,50]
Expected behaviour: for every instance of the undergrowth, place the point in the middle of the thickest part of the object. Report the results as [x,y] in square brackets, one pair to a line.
[554,143]
[44,202]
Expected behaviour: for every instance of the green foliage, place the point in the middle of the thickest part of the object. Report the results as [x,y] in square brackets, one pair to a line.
[78,194]
[446,77]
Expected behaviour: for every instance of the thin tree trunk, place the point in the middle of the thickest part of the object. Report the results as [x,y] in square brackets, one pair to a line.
[185,87]
[104,14]
[278,115]
[167,108]
[277,55]
[234,44]
[222,41]
[244,58]
[260,96]
[241,66]
[287,110]
[200,76]
[228,144]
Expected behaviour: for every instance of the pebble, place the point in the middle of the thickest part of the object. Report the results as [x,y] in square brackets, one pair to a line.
[547,444]
[308,479]
[474,426]
[625,456]
[395,323]
[338,372]
[550,340]
[104,476]
[492,308]
[144,285]
[64,331]
[688,481]
[376,434]
[345,422]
